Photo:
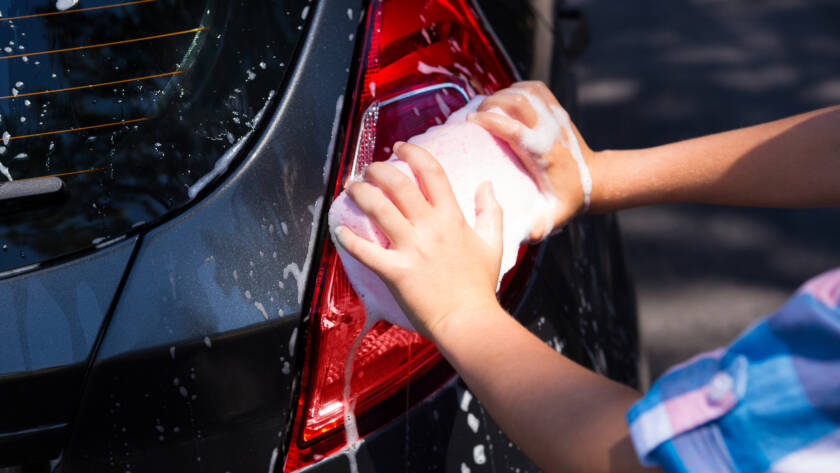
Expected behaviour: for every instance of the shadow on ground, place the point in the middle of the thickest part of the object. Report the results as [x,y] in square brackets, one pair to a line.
[657,72]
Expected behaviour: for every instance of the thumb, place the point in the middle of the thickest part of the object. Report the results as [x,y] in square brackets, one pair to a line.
[488,216]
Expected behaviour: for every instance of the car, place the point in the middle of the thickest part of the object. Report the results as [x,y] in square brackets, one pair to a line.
[170,297]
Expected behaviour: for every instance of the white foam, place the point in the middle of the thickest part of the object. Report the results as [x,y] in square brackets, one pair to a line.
[293,342]
[553,125]
[5,171]
[426,35]
[224,161]
[466,399]
[424,68]
[444,109]
[65,4]
[351,429]
[479,457]
[572,144]
[472,422]
[273,461]
[261,308]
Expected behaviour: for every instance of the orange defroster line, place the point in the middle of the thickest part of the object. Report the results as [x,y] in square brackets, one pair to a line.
[91,85]
[102,45]
[123,122]
[63,174]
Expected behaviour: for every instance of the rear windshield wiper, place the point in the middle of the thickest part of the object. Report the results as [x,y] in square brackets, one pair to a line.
[28,188]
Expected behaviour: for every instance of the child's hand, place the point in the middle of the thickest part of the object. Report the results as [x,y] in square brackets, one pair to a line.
[436,265]
[554,169]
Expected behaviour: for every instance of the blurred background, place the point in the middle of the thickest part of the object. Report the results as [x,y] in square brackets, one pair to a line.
[657,72]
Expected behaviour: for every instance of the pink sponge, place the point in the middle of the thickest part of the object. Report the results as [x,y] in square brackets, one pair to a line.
[470,155]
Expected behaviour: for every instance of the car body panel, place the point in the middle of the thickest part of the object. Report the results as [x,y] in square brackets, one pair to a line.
[50,321]
[232,269]
[47,331]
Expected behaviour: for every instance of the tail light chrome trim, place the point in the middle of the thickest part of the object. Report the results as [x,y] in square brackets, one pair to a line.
[366,138]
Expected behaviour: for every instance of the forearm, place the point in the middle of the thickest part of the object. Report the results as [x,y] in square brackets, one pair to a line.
[793,162]
[563,416]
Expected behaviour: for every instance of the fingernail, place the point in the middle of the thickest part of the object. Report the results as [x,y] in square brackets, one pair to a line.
[471,116]
[397,145]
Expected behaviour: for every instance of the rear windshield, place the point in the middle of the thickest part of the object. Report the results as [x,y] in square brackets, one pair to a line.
[135,105]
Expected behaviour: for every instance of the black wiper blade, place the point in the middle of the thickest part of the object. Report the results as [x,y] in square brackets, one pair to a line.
[38,187]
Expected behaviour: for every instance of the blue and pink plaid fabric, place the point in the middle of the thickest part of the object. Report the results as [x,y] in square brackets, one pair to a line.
[770,402]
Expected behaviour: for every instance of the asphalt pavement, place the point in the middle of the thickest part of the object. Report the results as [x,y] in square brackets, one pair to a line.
[657,72]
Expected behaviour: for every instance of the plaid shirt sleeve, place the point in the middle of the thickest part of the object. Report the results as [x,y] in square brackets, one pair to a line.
[770,402]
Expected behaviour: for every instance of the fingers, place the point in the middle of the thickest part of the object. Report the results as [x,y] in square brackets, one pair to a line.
[376,205]
[430,175]
[402,191]
[515,105]
[366,252]
[542,227]
[538,89]
[538,233]
[499,125]
[510,131]
[488,216]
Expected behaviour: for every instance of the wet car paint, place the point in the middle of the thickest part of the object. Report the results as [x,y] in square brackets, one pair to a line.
[201,275]
[44,347]
[58,319]
[191,376]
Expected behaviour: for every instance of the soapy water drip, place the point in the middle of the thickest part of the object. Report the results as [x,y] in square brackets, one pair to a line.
[351,429]
[571,143]
[5,171]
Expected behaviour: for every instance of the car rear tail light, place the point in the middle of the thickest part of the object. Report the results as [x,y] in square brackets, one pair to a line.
[421,60]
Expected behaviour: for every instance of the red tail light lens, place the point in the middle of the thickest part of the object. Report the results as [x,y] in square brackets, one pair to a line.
[422,59]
